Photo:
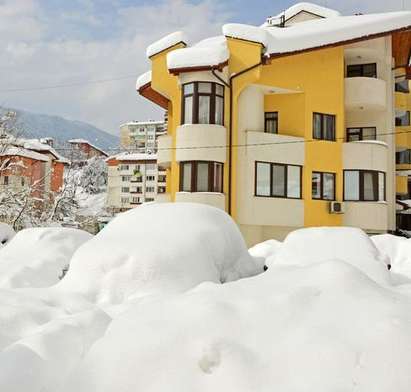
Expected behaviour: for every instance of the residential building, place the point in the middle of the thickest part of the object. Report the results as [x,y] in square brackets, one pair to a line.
[31,165]
[133,179]
[141,136]
[286,125]
[82,150]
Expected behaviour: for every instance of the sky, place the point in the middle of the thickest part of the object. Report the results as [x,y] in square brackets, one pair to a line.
[97,47]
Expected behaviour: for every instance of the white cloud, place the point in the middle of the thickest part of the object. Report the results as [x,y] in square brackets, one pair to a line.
[45,59]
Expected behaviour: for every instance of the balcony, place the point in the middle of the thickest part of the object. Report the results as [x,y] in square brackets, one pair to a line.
[164,154]
[369,216]
[212,199]
[366,155]
[362,93]
[201,142]
[267,146]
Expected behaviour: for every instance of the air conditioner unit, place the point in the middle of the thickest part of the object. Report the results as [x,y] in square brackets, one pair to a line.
[336,207]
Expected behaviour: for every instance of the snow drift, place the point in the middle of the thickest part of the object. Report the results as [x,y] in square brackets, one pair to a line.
[159,248]
[36,257]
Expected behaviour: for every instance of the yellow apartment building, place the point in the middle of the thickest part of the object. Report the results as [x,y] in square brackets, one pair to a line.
[286,125]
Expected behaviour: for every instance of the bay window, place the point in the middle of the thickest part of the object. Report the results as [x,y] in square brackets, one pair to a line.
[323,186]
[277,180]
[201,176]
[364,185]
[203,103]
[324,126]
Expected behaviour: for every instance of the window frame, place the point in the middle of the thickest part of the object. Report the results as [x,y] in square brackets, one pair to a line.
[285,165]
[362,66]
[195,104]
[408,116]
[322,130]
[194,176]
[274,119]
[360,133]
[376,185]
[322,185]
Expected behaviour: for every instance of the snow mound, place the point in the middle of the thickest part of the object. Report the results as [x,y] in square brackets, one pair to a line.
[322,327]
[267,250]
[315,245]
[166,42]
[36,257]
[6,234]
[209,52]
[397,250]
[309,7]
[159,248]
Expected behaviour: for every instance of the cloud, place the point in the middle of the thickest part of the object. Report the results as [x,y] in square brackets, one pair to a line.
[48,57]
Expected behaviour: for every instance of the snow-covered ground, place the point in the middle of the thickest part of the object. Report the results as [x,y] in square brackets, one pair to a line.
[167,298]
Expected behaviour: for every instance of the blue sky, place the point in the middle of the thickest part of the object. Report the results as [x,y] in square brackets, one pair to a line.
[54,42]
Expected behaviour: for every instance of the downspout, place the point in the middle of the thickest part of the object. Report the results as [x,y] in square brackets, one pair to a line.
[230,127]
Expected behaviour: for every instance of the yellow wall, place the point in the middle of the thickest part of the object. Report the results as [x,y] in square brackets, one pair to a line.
[319,75]
[402,184]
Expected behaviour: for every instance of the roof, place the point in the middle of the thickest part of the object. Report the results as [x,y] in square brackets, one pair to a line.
[37,145]
[143,79]
[309,8]
[84,141]
[25,153]
[318,33]
[126,156]
[211,51]
[166,42]
[331,29]
[148,122]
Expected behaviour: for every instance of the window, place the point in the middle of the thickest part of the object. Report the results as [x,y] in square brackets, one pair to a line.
[271,122]
[125,189]
[6,180]
[324,126]
[363,133]
[125,200]
[402,87]
[323,186]
[125,178]
[135,200]
[150,178]
[364,70]
[201,176]
[277,180]
[150,189]
[203,103]
[402,118]
[162,178]
[124,167]
[161,189]
[22,181]
[403,157]
[364,185]
[149,199]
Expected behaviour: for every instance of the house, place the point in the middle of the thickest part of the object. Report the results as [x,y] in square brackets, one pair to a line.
[133,179]
[82,150]
[285,125]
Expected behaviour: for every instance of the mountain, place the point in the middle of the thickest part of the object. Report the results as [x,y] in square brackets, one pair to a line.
[33,125]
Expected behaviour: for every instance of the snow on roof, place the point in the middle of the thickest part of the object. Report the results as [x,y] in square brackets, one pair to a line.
[25,153]
[148,122]
[143,79]
[84,141]
[166,42]
[37,145]
[246,32]
[308,7]
[319,32]
[209,52]
[127,156]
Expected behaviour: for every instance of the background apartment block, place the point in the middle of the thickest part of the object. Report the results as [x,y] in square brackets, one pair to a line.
[141,136]
[133,179]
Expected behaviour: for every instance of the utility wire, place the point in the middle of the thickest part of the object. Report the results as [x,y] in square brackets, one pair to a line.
[74,84]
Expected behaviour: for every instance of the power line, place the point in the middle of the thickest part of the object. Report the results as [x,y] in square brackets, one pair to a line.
[74,84]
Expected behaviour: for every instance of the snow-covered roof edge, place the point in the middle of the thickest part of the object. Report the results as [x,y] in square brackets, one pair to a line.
[84,141]
[247,33]
[24,153]
[148,122]
[310,8]
[166,42]
[127,156]
[143,79]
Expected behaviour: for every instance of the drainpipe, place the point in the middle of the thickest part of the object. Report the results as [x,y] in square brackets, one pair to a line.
[230,128]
